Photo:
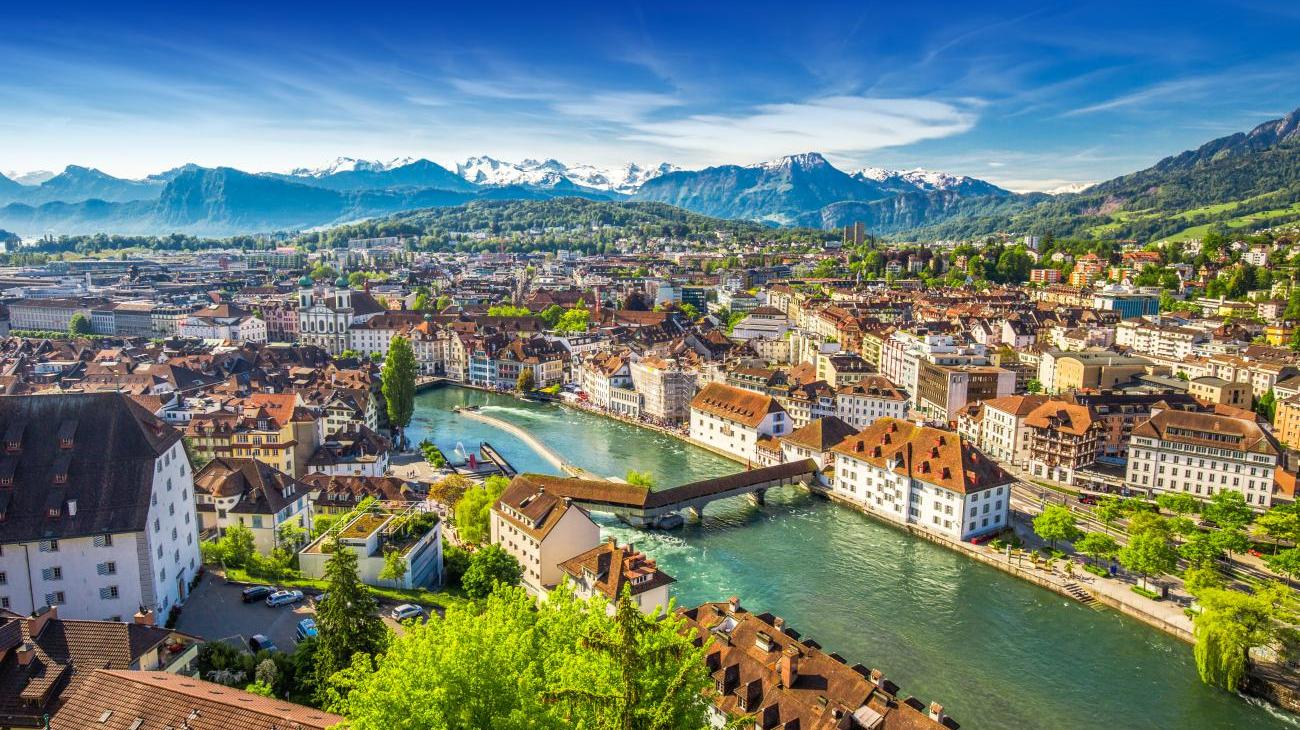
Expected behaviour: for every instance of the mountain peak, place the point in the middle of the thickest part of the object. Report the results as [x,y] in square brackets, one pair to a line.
[805,160]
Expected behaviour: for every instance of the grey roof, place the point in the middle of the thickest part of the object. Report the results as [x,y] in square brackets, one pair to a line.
[108,468]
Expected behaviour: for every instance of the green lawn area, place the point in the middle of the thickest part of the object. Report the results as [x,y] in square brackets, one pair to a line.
[1237,222]
[446,597]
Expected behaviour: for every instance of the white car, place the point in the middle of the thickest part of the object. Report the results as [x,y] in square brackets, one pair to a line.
[283,598]
[407,611]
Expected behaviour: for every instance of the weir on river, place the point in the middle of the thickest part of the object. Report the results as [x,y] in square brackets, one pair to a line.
[995,651]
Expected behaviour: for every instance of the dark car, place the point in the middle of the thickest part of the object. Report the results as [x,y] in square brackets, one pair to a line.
[256,593]
[261,642]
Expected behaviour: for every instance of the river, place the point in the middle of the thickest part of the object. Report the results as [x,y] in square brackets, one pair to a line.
[995,651]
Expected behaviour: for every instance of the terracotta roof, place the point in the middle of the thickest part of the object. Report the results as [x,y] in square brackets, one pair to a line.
[735,404]
[1062,416]
[531,508]
[874,385]
[115,700]
[1016,405]
[1208,429]
[612,567]
[927,454]
[782,682]
[260,486]
[821,434]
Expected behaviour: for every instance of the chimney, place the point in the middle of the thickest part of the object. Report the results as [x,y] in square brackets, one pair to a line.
[144,616]
[26,653]
[36,622]
[789,667]
[936,712]
[734,603]
[779,624]
[877,677]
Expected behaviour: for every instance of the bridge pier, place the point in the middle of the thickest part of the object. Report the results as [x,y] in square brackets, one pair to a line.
[694,512]
[758,497]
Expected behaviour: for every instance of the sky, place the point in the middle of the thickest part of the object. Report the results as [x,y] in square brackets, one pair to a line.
[1031,96]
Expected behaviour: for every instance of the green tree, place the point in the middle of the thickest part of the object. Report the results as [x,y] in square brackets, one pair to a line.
[455,561]
[526,381]
[79,325]
[1231,540]
[1144,522]
[507,310]
[1201,550]
[554,665]
[1266,405]
[574,321]
[443,302]
[346,619]
[1108,510]
[394,568]
[1056,523]
[1034,386]
[1228,508]
[489,566]
[1280,522]
[1177,502]
[473,511]
[422,302]
[551,315]
[1229,624]
[1285,563]
[236,546]
[398,378]
[640,479]
[689,311]
[290,535]
[1148,553]
[1098,546]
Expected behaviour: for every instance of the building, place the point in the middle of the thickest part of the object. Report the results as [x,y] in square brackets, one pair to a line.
[122,700]
[762,323]
[49,314]
[763,672]
[1094,371]
[607,570]
[666,388]
[325,316]
[869,398]
[46,660]
[1045,276]
[408,530]
[1201,454]
[96,507]
[815,441]
[274,428]
[223,322]
[1129,303]
[942,390]
[732,420]
[1219,391]
[253,494]
[923,477]
[842,368]
[1002,432]
[541,530]
[1064,437]
[601,373]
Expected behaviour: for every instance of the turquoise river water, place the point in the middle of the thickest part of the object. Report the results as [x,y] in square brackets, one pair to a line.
[995,651]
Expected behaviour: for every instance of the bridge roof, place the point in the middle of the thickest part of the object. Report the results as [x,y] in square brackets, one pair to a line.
[586,490]
[739,480]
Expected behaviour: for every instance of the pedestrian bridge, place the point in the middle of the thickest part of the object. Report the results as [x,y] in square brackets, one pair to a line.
[643,507]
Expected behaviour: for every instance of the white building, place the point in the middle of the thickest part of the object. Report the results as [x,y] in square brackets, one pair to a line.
[541,530]
[1000,429]
[607,569]
[223,322]
[258,496]
[1201,454]
[873,397]
[732,420]
[666,388]
[325,316]
[921,476]
[97,508]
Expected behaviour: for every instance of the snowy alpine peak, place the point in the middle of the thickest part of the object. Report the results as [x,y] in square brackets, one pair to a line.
[351,164]
[34,177]
[484,170]
[805,161]
[919,177]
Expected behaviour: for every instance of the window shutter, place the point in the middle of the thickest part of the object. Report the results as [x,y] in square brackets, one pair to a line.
[49,599]
[47,573]
[102,568]
[105,593]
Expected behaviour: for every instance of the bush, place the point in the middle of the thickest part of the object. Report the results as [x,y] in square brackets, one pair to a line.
[1145,592]
[1096,570]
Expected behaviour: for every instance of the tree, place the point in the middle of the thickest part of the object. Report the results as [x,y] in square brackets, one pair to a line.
[346,619]
[526,381]
[1056,523]
[1266,405]
[1231,540]
[1229,624]
[555,665]
[507,310]
[394,567]
[1098,546]
[473,512]
[235,547]
[1034,385]
[489,566]
[574,321]
[551,315]
[290,535]
[455,561]
[1177,502]
[1227,508]
[79,325]
[1144,522]
[689,311]
[422,302]
[1280,522]
[1108,510]
[1285,563]
[398,377]
[640,479]
[1148,553]
[443,302]
[1201,551]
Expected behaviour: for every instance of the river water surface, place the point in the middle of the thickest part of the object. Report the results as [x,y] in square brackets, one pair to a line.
[995,651]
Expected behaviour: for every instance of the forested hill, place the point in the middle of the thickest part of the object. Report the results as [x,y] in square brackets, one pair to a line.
[1242,181]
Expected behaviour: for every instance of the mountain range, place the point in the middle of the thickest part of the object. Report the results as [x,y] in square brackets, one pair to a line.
[1242,180]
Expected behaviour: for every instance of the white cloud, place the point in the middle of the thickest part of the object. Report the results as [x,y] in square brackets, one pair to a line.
[625,107]
[842,126]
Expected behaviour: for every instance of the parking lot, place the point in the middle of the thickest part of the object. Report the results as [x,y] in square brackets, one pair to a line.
[215,612]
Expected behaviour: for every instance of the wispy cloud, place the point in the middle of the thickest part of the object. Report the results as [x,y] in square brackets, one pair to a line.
[627,107]
[839,125]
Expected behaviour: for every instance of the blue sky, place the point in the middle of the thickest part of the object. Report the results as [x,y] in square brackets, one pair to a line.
[1029,95]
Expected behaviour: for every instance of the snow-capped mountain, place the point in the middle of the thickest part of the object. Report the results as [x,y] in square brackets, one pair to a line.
[485,170]
[33,177]
[351,164]
[924,180]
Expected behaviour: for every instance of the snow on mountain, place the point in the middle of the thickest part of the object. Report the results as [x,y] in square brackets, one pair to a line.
[923,180]
[351,164]
[626,179]
[1078,187]
[34,177]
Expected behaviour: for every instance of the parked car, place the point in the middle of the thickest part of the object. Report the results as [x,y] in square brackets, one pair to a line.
[306,629]
[283,598]
[981,539]
[1087,499]
[1256,553]
[261,642]
[407,611]
[256,593]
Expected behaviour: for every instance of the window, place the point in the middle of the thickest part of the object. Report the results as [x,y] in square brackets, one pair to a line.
[4,601]
[4,578]
[108,568]
[103,541]
[49,546]
[55,573]
[108,593]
